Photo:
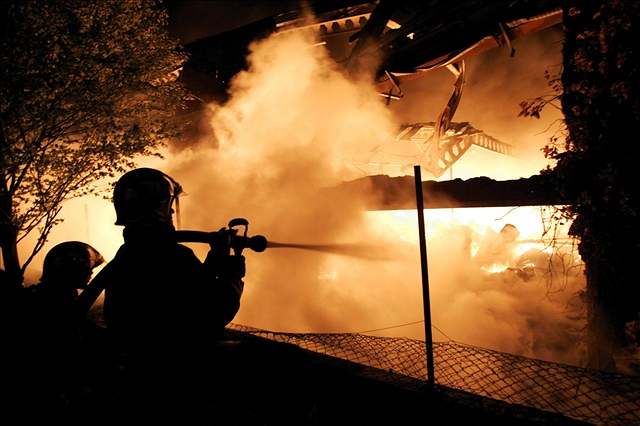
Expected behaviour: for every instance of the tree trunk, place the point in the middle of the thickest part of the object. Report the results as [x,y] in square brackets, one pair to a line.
[8,242]
[602,339]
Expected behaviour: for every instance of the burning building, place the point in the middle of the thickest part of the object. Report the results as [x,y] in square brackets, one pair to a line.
[295,103]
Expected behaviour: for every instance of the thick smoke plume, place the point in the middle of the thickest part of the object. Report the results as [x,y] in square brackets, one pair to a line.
[291,120]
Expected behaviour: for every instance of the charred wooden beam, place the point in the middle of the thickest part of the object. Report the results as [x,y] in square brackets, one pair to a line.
[398,193]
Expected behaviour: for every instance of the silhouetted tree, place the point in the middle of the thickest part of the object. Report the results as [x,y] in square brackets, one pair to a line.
[84,87]
[599,91]
[601,104]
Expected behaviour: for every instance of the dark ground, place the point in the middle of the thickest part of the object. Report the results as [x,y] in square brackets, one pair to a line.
[247,380]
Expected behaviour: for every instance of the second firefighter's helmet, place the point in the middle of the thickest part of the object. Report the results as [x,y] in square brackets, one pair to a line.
[70,263]
[145,196]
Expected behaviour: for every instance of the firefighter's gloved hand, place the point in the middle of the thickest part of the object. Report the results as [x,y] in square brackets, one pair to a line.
[226,266]
[221,242]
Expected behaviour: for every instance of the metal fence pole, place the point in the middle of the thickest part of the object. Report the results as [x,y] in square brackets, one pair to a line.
[426,301]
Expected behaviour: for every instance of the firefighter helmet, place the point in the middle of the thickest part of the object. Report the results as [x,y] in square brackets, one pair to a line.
[70,262]
[145,195]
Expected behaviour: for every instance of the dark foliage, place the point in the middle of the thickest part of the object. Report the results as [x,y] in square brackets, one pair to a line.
[84,87]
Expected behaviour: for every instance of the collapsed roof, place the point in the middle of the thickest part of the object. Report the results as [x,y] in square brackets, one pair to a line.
[418,143]
[410,36]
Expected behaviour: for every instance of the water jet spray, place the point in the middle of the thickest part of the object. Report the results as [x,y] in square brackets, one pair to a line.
[259,243]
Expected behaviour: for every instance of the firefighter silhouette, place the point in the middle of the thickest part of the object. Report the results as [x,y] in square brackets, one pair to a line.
[53,326]
[163,306]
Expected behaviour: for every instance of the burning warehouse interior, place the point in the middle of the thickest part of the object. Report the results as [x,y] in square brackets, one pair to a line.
[441,216]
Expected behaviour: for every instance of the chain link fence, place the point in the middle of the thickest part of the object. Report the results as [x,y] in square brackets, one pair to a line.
[588,395]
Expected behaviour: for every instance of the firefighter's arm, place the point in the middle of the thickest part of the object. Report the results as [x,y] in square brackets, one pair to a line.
[226,271]
[90,294]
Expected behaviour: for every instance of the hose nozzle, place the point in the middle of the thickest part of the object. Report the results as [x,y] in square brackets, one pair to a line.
[257,243]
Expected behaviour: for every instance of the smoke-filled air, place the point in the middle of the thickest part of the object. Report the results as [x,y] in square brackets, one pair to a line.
[286,134]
